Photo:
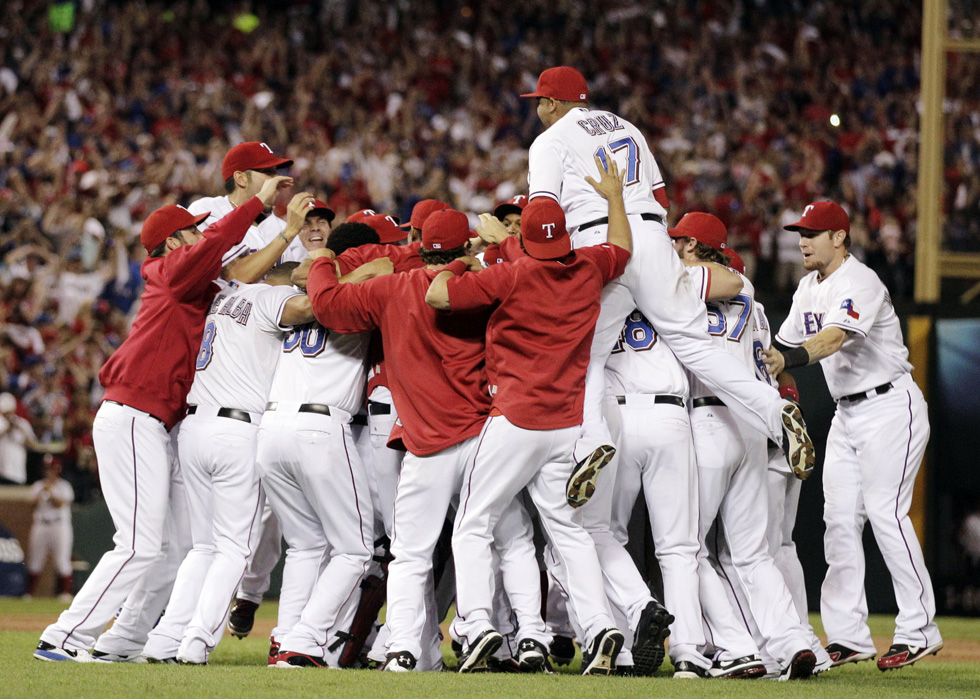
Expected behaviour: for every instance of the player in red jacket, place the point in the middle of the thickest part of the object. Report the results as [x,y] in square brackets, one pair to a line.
[146,382]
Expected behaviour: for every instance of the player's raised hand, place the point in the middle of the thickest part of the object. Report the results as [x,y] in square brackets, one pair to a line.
[270,189]
[491,229]
[774,361]
[297,209]
[610,182]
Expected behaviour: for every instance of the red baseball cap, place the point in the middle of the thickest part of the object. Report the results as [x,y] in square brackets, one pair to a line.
[251,155]
[543,229]
[359,216]
[514,205]
[561,83]
[822,216]
[423,209]
[166,221]
[704,228]
[445,229]
[385,226]
[319,206]
[735,260]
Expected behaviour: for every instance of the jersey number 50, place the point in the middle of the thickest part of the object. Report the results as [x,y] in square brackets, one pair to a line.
[310,339]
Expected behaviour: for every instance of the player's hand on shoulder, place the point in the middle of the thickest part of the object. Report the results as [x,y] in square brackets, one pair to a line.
[270,189]
[491,229]
[474,263]
[297,209]
[610,182]
[774,361]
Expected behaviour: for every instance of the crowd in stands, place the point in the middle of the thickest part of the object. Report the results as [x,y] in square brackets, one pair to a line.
[753,108]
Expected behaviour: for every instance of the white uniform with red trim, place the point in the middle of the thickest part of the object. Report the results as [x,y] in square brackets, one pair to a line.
[317,485]
[880,413]
[732,488]
[654,282]
[257,237]
[216,448]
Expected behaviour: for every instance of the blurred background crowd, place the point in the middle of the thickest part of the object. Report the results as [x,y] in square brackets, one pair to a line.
[109,110]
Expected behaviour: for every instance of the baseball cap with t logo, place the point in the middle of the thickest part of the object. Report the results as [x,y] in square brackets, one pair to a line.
[543,230]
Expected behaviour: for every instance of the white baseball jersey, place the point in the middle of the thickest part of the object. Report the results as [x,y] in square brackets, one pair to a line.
[761,340]
[46,512]
[732,324]
[320,366]
[241,345]
[257,236]
[852,298]
[641,363]
[562,157]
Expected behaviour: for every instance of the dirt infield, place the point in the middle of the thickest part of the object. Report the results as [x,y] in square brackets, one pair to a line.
[956,650]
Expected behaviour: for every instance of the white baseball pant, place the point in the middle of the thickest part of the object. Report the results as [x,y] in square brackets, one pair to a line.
[135,464]
[50,538]
[657,453]
[732,485]
[314,479]
[265,556]
[874,450]
[508,459]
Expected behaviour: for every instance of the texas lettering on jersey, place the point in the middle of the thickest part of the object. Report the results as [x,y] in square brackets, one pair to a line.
[812,323]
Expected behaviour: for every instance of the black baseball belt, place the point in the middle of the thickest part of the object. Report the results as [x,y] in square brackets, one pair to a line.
[233,413]
[864,395]
[605,219]
[659,399]
[317,408]
[706,401]
[115,402]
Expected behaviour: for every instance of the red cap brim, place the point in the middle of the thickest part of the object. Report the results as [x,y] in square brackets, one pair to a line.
[548,251]
[202,217]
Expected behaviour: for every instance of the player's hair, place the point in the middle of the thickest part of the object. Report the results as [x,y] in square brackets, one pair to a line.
[282,273]
[443,257]
[230,185]
[351,235]
[161,249]
[847,240]
[706,253]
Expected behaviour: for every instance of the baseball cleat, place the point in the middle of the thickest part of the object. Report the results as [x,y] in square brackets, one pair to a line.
[402,661]
[800,667]
[841,655]
[475,657]
[160,661]
[289,659]
[600,658]
[273,651]
[686,670]
[625,671]
[116,658]
[581,484]
[505,666]
[532,656]
[51,653]
[749,667]
[242,618]
[796,441]
[901,655]
[562,650]
[189,661]
[648,643]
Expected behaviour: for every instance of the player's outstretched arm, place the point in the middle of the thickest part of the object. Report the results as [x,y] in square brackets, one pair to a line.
[724,282]
[378,267]
[823,344]
[610,187]
[251,268]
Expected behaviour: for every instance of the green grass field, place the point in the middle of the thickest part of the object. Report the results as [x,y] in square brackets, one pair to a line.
[237,670]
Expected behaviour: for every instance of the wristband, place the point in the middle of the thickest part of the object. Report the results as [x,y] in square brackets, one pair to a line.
[790,393]
[798,356]
[457,267]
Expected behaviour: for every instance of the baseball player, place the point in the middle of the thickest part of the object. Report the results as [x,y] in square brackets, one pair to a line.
[559,160]
[216,447]
[244,169]
[731,482]
[435,374]
[842,317]
[51,532]
[313,235]
[146,382]
[538,339]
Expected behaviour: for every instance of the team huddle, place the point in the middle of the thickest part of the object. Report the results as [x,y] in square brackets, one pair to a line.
[425,426]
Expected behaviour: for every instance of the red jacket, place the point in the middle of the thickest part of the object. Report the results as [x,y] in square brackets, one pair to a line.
[153,369]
